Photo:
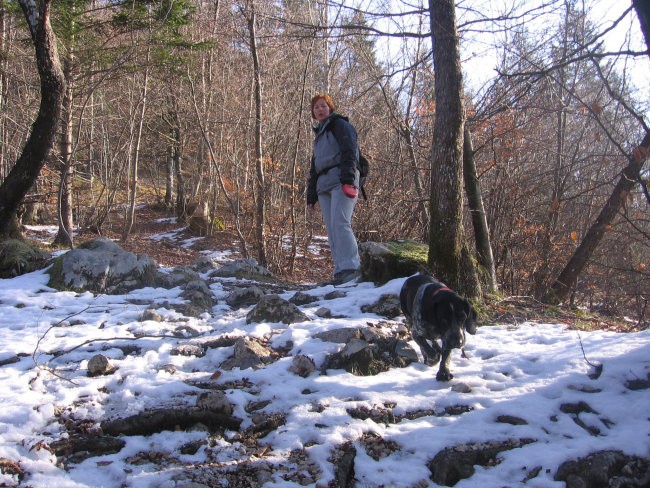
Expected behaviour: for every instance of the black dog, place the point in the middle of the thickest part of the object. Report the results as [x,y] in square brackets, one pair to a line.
[436,312]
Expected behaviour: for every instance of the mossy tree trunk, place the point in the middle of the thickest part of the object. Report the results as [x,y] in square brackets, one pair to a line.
[446,238]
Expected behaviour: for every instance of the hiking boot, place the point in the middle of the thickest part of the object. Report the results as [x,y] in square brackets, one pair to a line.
[345,276]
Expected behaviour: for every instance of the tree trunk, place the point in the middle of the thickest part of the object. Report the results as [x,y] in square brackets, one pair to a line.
[177,163]
[479,219]
[4,87]
[446,203]
[642,8]
[169,178]
[560,290]
[260,216]
[133,188]
[43,133]
[64,236]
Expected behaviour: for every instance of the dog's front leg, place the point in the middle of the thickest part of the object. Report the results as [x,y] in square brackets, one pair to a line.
[443,372]
[431,354]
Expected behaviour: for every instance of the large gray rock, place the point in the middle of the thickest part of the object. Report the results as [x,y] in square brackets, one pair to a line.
[101,266]
[382,262]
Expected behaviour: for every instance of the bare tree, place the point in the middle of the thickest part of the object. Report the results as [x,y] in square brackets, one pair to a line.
[260,216]
[630,177]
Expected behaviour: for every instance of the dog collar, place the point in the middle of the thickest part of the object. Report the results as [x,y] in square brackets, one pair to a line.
[442,288]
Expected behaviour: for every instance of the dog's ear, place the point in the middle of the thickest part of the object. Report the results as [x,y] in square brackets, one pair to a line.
[470,326]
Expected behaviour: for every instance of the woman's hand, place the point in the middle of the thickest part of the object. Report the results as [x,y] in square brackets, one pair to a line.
[349,191]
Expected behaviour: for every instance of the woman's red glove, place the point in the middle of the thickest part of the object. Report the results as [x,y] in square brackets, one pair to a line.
[349,191]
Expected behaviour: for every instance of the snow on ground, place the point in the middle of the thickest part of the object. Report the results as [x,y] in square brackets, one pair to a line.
[527,371]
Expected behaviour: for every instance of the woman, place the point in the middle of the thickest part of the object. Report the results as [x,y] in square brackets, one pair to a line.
[334,182]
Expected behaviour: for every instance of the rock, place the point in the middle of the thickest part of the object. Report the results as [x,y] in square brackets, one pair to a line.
[606,469]
[340,336]
[462,388]
[185,331]
[167,368]
[248,353]
[372,334]
[177,277]
[272,308]
[151,315]
[204,264]
[244,297]
[453,464]
[405,352]
[343,461]
[323,313]
[243,269]
[511,419]
[80,447]
[638,384]
[199,295]
[188,350]
[153,421]
[333,295]
[357,357]
[387,306]
[101,266]
[99,365]
[367,350]
[302,366]
[18,257]
[302,298]
[215,401]
[11,359]
[382,262]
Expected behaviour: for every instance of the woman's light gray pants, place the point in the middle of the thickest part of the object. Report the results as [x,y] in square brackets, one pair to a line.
[337,212]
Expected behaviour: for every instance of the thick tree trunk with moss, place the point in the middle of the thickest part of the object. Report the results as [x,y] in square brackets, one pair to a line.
[446,239]
[43,133]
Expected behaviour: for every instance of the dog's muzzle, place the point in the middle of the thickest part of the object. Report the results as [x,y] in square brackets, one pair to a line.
[453,340]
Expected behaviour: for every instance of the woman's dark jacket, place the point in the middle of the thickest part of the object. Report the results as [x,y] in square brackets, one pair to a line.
[335,158]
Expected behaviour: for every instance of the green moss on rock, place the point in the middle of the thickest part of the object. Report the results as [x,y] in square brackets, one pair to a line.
[382,262]
[18,257]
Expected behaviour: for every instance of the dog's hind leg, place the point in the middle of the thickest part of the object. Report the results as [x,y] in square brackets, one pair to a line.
[431,354]
[443,372]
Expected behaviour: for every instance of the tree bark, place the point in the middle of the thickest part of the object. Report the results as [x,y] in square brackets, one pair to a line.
[445,207]
[64,235]
[133,187]
[4,86]
[477,212]
[43,133]
[642,8]
[260,217]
